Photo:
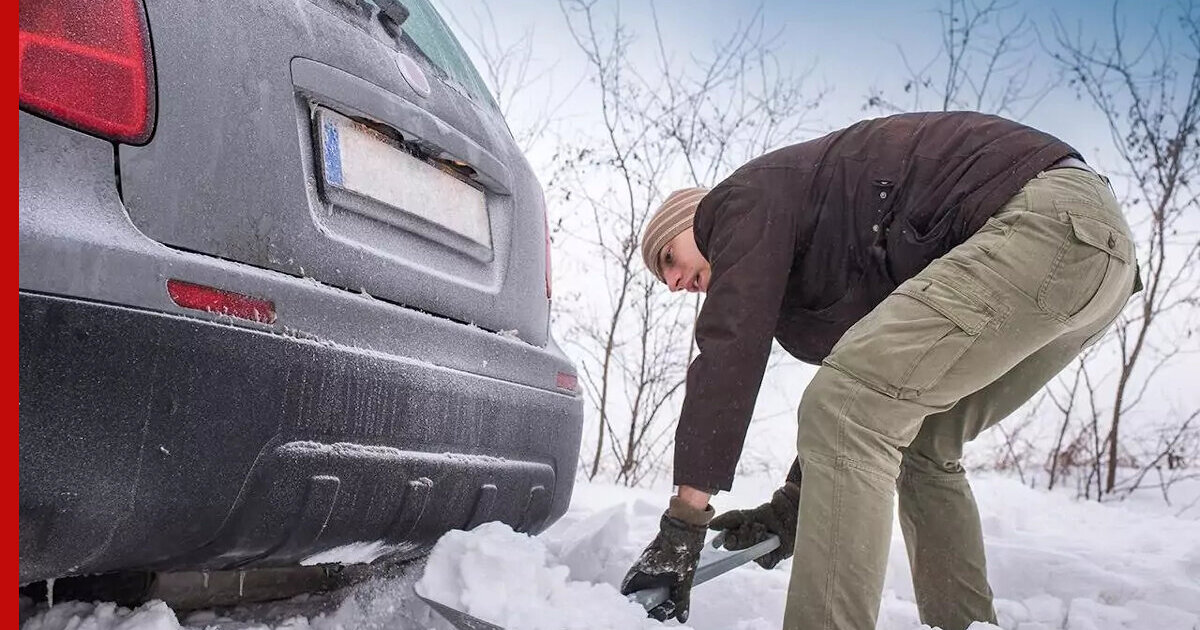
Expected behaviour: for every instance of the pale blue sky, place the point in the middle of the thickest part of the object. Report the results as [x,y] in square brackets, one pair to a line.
[851,44]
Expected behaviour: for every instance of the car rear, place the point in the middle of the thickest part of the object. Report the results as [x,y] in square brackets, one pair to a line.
[283,290]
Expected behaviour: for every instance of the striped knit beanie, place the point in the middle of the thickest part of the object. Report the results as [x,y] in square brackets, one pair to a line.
[672,217]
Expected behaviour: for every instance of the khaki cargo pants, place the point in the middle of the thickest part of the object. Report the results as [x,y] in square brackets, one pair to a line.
[949,353]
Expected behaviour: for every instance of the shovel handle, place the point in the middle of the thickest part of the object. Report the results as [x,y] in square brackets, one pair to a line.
[708,569]
[651,597]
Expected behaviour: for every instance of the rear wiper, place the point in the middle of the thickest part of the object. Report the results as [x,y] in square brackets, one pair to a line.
[392,14]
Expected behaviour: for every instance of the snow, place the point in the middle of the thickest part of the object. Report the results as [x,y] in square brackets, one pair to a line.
[353,553]
[514,580]
[105,616]
[1055,563]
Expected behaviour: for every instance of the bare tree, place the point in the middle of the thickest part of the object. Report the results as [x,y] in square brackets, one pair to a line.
[737,105]
[741,102]
[983,64]
[663,125]
[1171,447]
[1150,97]
[654,376]
[523,88]
[1061,457]
[626,156]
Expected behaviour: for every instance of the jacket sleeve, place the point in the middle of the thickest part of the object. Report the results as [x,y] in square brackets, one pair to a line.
[794,473]
[750,247]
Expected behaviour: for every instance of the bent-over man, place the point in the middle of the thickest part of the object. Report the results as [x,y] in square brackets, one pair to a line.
[940,268]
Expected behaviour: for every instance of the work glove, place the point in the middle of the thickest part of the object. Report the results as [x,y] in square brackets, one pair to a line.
[746,528]
[670,559]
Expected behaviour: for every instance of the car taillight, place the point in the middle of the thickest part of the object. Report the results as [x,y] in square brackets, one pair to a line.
[547,220]
[567,381]
[212,300]
[88,65]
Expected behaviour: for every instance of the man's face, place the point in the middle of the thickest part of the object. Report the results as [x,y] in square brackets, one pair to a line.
[682,265]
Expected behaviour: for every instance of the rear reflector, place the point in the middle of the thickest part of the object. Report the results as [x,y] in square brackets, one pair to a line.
[204,298]
[87,65]
[566,381]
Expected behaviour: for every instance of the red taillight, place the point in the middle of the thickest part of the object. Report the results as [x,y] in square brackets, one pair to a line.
[87,65]
[566,381]
[204,298]
[547,221]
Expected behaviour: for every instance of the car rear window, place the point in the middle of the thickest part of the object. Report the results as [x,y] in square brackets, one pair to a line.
[430,34]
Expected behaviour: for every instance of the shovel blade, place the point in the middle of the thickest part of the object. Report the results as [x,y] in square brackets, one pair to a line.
[458,618]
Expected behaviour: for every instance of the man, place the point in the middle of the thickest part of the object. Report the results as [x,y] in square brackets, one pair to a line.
[940,268]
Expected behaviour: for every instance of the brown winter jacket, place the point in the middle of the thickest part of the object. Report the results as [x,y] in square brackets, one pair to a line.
[806,240]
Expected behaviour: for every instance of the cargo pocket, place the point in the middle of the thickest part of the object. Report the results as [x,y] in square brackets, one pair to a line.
[1083,262]
[995,234]
[904,347]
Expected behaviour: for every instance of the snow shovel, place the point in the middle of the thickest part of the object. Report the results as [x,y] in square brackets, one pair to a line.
[711,565]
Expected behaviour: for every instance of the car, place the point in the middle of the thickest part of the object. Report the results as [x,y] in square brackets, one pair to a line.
[284,291]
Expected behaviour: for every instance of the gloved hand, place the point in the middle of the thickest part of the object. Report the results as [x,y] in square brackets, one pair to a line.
[670,559]
[746,528]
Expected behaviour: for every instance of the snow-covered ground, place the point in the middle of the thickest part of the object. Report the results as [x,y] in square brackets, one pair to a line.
[1054,562]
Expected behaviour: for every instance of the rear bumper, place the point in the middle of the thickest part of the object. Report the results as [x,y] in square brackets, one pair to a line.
[154,441]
